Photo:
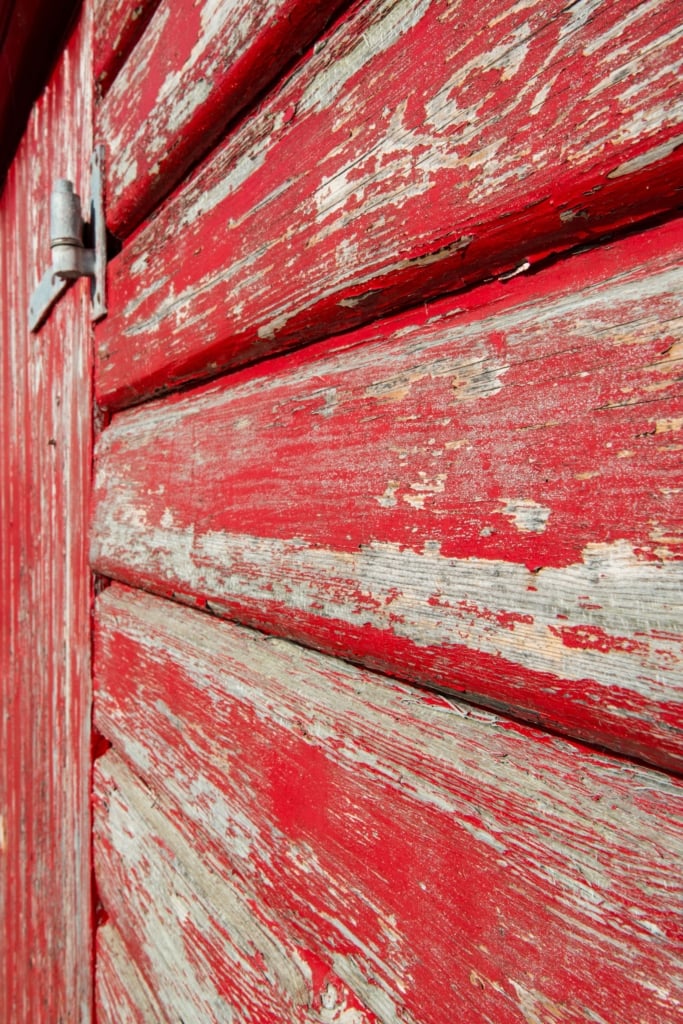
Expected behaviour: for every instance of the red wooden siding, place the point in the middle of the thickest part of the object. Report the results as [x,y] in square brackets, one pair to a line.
[478,493]
[449,864]
[122,994]
[430,773]
[118,24]
[487,137]
[45,884]
[222,954]
[196,67]
[483,495]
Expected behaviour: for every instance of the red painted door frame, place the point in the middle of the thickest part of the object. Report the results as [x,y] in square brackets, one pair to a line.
[45,591]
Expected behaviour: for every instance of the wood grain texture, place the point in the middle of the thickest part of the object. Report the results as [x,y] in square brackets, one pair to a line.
[45,453]
[196,67]
[122,994]
[209,949]
[482,496]
[426,146]
[118,24]
[452,865]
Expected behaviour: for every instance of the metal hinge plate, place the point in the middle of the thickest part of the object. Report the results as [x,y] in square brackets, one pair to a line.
[70,259]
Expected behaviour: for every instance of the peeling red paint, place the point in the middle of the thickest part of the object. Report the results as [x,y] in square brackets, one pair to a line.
[415,841]
[592,638]
[117,26]
[515,117]
[479,495]
[508,620]
[306,529]
[45,456]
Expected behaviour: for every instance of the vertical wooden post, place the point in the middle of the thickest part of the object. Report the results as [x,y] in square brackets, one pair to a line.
[45,453]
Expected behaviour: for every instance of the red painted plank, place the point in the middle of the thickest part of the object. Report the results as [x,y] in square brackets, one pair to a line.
[45,455]
[196,67]
[455,866]
[205,942]
[482,496]
[122,994]
[425,146]
[118,24]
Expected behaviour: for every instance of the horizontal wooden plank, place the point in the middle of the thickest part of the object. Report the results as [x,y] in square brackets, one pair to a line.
[209,949]
[482,496]
[454,865]
[196,67]
[425,146]
[118,24]
[122,995]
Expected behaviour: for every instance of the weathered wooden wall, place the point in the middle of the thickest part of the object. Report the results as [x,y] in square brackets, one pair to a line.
[443,861]
[424,146]
[117,26]
[483,496]
[197,67]
[122,994]
[477,493]
[45,452]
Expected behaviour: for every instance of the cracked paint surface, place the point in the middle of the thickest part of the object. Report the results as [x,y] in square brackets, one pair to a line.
[526,129]
[442,860]
[395,497]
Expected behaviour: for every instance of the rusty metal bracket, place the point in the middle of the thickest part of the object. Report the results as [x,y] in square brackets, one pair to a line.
[70,258]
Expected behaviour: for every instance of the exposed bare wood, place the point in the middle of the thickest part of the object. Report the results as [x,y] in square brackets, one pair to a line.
[196,67]
[453,865]
[482,496]
[488,136]
[206,944]
[118,24]
[122,994]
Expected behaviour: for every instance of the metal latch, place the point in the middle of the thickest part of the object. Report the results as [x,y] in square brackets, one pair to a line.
[70,258]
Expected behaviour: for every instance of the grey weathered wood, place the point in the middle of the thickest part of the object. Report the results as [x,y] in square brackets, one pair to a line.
[442,856]
[121,993]
[482,496]
[211,950]
[426,145]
